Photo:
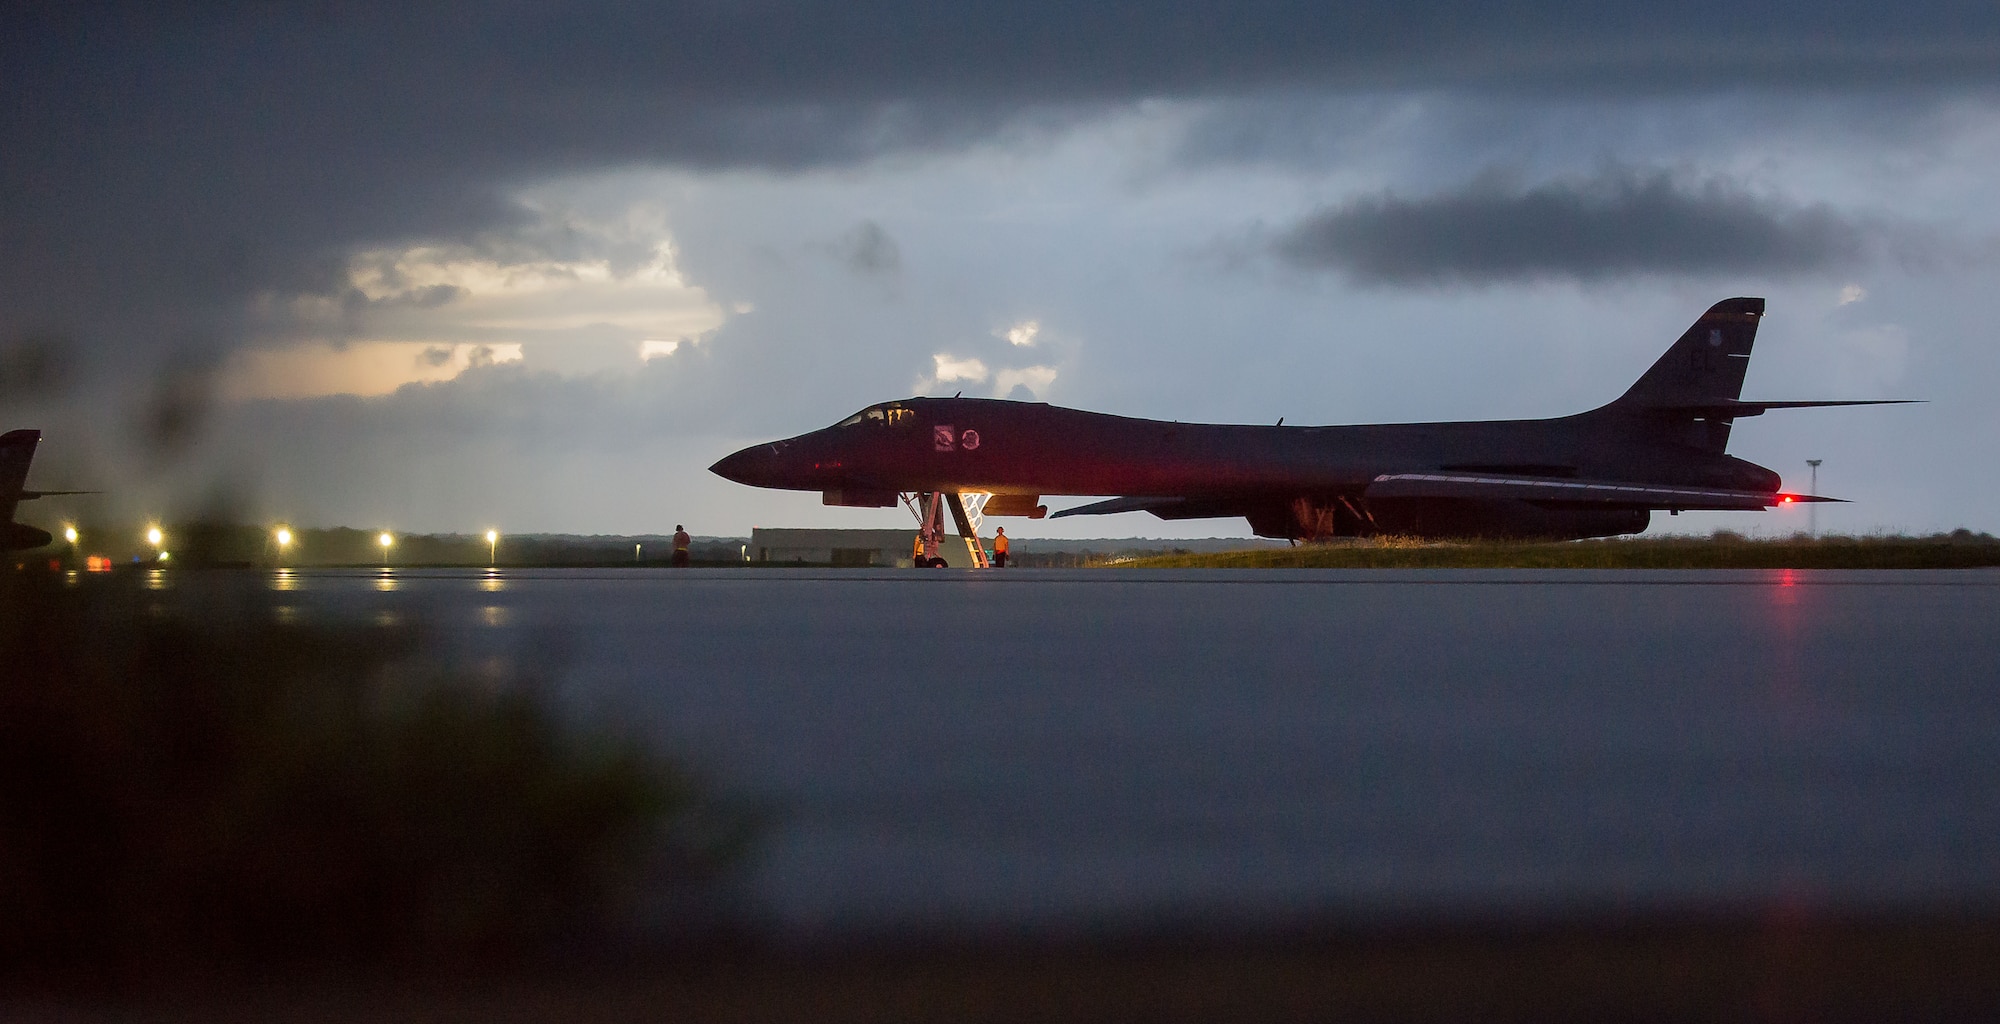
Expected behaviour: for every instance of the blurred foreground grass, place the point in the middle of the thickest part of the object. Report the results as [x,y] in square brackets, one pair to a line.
[1961,549]
[191,787]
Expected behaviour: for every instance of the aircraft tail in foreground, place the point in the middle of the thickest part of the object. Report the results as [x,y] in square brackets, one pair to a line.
[17,453]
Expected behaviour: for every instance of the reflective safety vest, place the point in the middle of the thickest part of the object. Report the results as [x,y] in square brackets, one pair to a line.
[1000,544]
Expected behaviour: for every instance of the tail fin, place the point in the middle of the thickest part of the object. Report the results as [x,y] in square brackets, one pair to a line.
[17,450]
[1688,390]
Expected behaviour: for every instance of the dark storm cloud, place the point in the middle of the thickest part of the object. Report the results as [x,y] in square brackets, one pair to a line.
[867,249]
[159,163]
[32,365]
[1620,224]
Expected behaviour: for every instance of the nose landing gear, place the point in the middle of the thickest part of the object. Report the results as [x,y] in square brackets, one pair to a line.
[929,507]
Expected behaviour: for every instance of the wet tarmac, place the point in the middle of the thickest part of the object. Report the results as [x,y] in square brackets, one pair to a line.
[1064,748]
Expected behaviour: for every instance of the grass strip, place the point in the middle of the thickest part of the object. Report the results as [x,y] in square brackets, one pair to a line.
[1960,549]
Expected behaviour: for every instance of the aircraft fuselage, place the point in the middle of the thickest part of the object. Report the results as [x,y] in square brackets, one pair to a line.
[1287,480]
[1003,447]
[1661,445]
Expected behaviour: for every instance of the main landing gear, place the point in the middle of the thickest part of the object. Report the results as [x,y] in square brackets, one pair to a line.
[929,508]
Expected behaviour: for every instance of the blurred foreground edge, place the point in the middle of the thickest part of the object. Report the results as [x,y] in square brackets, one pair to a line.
[1782,965]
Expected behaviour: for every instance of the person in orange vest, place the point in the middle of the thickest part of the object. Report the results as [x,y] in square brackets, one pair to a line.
[1000,547]
[681,540]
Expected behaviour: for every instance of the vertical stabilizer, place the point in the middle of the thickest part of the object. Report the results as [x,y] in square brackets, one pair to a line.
[17,450]
[1687,389]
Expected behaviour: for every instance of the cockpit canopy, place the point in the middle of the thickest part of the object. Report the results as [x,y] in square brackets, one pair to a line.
[893,414]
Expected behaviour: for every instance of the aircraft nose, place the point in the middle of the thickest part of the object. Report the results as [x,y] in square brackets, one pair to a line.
[755,466]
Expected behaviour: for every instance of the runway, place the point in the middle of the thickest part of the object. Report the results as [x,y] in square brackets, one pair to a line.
[1066,748]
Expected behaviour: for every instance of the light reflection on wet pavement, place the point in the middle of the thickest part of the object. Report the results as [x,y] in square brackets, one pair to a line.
[1043,746]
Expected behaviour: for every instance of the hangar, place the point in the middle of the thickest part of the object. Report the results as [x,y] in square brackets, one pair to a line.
[884,548]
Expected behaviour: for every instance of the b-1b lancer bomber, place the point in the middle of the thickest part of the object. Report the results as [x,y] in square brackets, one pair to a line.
[1660,446]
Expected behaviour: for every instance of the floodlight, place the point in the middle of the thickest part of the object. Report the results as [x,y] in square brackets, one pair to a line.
[283,535]
[69,534]
[154,536]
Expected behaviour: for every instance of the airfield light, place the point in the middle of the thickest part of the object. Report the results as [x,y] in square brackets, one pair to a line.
[1813,512]
[154,536]
[69,534]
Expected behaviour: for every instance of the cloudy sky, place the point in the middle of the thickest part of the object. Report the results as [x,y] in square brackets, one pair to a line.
[440,266]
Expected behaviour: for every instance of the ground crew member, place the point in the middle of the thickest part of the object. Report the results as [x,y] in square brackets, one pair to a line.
[681,540]
[917,553]
[1000,547]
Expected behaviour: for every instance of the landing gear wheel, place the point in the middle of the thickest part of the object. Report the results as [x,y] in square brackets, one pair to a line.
[939,563]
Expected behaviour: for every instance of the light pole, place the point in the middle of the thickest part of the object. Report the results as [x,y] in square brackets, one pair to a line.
[155,537]
[282,536]
[386,539]
[492,548]
[1812,513]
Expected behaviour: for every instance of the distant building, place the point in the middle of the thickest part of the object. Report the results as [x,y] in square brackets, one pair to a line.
[884,548]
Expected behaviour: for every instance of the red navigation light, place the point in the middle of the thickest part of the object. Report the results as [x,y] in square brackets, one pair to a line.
[1786,500]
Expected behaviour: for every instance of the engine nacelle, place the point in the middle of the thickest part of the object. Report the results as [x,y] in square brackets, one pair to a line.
[1310,519]
[1441,519]
[1501,519]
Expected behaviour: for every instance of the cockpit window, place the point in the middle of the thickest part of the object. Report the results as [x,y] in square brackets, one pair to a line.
[880,414]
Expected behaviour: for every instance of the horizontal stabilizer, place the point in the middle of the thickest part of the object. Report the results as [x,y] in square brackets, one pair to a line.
[1116,505]
[1731,409]
[1608,493]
